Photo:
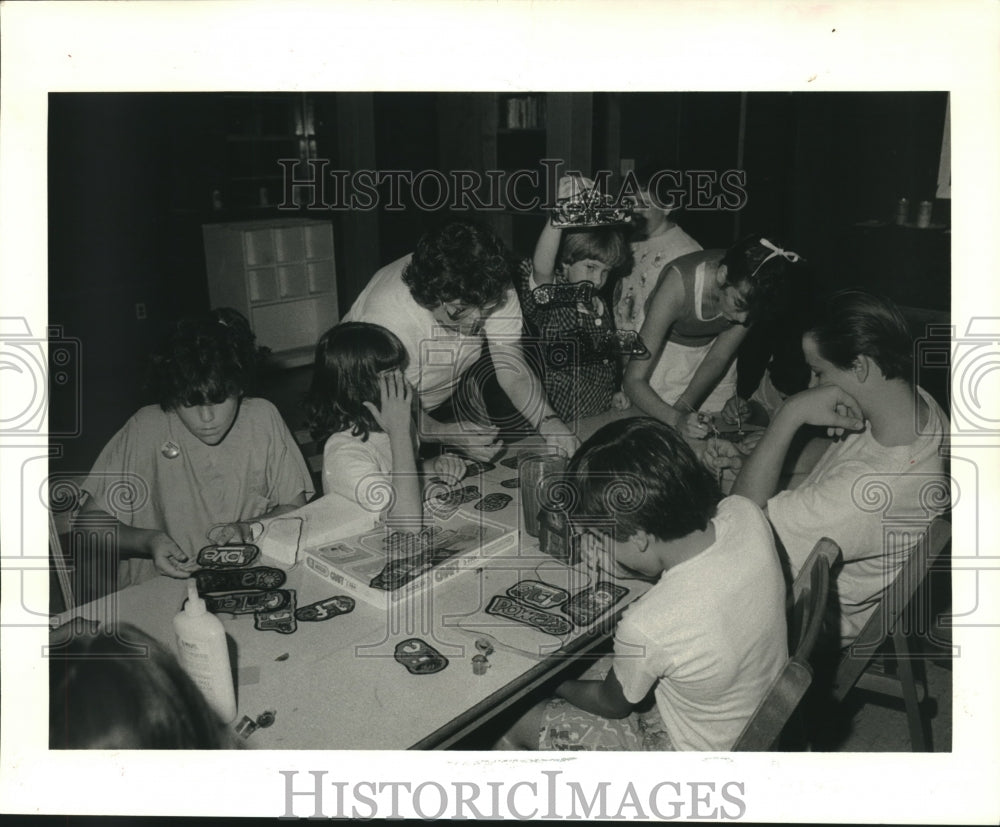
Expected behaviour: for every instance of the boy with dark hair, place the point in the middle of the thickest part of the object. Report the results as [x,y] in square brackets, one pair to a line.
[708,637]
[204,463]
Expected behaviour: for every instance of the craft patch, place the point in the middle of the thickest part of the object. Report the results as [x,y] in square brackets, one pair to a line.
[228,580]
[494,502]
[503,606]
[586,606]
[228,557]
[419,657]
[241,603]
[339,604]
[537,594]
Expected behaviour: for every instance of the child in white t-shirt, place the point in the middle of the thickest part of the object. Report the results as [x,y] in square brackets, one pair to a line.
[362,405]
[883,480]
[708,638]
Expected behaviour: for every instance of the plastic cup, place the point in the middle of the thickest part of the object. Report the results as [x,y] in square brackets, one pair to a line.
[533,472]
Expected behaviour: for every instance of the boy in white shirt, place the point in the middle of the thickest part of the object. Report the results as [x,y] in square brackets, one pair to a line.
[888,469]
[708,638]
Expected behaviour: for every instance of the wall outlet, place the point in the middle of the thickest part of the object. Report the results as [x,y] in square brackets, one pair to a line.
[140,310]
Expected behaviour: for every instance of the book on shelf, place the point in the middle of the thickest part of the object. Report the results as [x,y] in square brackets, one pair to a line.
[382,566]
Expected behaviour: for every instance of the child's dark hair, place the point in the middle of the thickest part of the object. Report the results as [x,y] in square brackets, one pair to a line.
[205,360]
[461,261]
[639,473]
[349,359]
[105,693]
[851,323]
[768,268]
[604,244]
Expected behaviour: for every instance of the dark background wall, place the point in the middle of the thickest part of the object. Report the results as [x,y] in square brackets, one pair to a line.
[132,177]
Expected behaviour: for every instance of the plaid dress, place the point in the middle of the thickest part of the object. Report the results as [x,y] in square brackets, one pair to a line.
[579,379]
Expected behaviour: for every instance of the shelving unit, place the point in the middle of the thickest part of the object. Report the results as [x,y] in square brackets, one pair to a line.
[281,275]
[523,128]
[260,129]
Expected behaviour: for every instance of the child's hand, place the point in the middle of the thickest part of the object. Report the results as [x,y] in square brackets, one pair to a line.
[749,442]
[735,410]
[619,401]
[168,557]
[570,185]
[239,532]
[448,467]
[396,412]
[721,454]
[693,425]
[479,442]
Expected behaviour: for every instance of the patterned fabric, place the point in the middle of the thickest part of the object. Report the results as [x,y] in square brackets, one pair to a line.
[579,380]
[566,727]
[649,257]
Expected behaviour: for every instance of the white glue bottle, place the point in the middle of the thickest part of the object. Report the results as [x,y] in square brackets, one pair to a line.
[204,653]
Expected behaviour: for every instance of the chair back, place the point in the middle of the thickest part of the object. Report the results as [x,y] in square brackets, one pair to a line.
[887,618]
[807,613]
[809,592]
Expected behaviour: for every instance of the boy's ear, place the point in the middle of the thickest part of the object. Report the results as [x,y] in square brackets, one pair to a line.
[640,540]
[863,365]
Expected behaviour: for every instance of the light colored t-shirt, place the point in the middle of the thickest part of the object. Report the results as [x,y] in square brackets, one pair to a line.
[874,502]
[711,635]
[358,469]
[256,467]
[438,357]
[649,257]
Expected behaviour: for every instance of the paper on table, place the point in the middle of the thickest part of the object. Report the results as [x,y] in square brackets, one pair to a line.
[331,517]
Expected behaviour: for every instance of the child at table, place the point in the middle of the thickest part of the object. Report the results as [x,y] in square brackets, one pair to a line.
[581,374]
[361,405]
[696,320]
[204,463]
[888,464]
[103,696]
[708,637]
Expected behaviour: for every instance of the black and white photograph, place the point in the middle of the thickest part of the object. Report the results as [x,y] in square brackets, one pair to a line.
[397,395]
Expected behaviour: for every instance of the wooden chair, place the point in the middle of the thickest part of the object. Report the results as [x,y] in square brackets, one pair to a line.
[888,632]
[809,595]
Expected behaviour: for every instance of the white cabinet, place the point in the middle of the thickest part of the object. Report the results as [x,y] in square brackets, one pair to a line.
[280,274]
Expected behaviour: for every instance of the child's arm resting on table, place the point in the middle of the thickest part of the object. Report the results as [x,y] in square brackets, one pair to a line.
[604,698]
[168,557]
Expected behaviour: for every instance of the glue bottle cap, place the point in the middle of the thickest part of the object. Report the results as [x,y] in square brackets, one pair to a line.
[195,604]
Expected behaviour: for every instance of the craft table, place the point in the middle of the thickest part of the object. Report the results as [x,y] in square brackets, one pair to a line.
[336,684]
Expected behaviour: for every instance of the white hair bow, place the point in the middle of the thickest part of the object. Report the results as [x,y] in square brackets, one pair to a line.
[788,255]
